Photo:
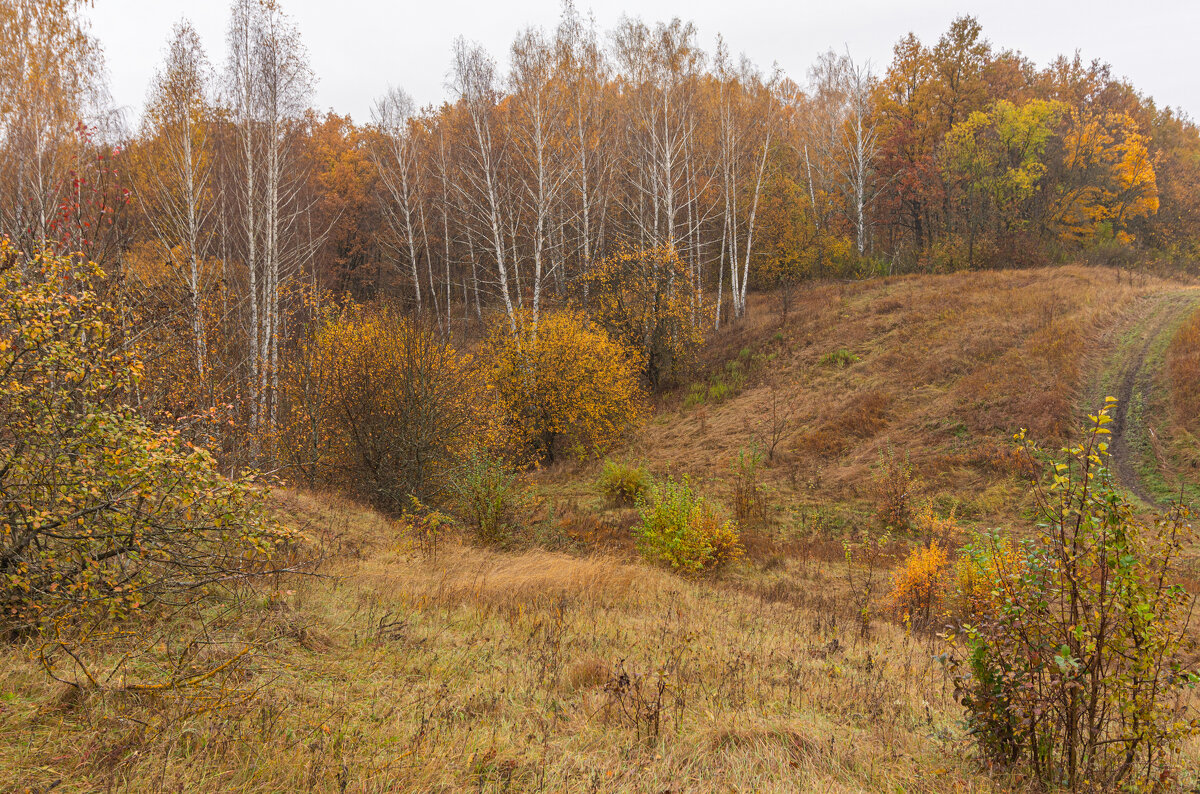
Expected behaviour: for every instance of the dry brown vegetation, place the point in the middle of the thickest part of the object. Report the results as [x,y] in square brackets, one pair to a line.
[947,368]
[534,671]
[476,670]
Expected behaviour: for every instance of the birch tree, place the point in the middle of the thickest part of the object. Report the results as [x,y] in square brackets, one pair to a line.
[536,123]
[269,86]
[474,84]
[176,169]
[583,73]
[395,158]
[844,132]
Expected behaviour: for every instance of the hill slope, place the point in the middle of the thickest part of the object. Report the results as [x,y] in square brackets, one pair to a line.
[941,368]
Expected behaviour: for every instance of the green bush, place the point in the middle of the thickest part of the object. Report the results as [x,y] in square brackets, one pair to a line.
[1076,662]
[734,376]
[683,530]
[491,498]
[718,392]
[623,483]
[697,394]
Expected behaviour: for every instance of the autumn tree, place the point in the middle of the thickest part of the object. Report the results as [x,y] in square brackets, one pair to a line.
[746,110]
[844,133]
[342,227]
[563,385]
[640,297]
[482,188]
[394,154]
[50,93]
[538,112]
[268,83]
[994,164]
[584,74]
[174,175]
[378,404]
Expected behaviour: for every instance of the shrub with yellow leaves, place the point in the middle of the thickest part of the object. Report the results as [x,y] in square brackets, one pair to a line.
[919,586]
[379,405]
[103,515]
[561,382]
[929,526]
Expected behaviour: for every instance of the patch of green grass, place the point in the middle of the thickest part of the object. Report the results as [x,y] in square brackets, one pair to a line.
[724,384]
[840,358]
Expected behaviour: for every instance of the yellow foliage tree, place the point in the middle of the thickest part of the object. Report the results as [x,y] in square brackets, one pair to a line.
[562,380]
[1108,181]
[380,405]
[918,586]
[643,297]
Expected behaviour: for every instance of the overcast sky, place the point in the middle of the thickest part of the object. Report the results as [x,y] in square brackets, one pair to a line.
[359,47]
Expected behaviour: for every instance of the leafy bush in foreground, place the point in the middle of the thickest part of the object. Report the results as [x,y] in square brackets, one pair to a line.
[1075,666]
[102,515]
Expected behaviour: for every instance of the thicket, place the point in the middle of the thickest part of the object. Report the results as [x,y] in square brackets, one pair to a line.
[488,492]
[639,295]
[380,406]
[561,384]
[625,483]
[895,488]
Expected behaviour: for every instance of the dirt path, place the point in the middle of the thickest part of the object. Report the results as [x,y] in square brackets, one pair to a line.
[1132,375]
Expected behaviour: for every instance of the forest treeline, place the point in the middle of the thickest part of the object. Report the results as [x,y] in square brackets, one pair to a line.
[235,209]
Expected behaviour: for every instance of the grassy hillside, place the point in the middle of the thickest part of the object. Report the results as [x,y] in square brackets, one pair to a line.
[567,664]
[941,368]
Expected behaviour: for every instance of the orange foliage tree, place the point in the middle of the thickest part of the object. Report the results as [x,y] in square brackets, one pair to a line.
[380,405]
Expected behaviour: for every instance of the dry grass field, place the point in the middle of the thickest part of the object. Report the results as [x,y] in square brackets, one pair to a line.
[472,670]
[569,665]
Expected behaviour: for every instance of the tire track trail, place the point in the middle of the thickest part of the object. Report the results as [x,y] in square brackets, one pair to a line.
[1134,381]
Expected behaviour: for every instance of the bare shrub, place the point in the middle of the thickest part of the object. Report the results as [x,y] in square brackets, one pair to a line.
[895,488]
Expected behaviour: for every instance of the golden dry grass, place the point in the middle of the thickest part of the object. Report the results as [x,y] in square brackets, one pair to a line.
[531,671]
[474,670]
